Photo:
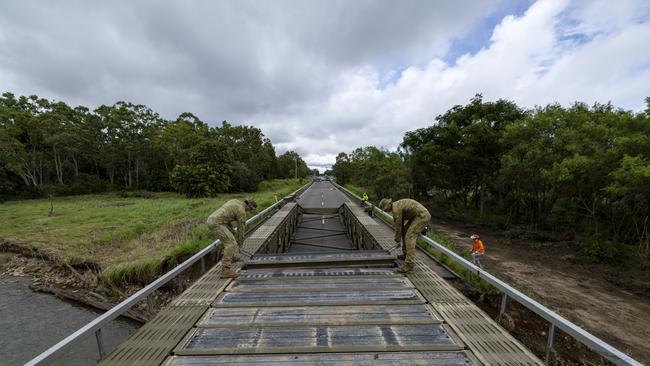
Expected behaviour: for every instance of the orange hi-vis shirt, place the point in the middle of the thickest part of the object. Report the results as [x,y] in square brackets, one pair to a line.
[478,246]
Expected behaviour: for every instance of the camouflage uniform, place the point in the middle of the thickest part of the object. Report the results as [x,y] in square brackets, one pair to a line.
[220,224]
[410,218]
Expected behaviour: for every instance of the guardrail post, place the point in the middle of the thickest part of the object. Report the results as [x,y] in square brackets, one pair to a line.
[202,265]
[549,345]
[504,303]
[469,276]
[150,305]
[100,343]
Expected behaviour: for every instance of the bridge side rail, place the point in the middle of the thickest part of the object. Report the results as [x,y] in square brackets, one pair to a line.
[598,345]
[356,231]
[59,349]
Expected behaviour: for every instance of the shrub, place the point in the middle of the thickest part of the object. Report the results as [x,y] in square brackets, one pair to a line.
[600,249]
[200,180]
[243,179]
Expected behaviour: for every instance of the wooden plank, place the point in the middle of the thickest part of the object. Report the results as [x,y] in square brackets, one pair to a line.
[202,341]
[462,358]
[312,298]
[318,315]
[313,272]
[320,284]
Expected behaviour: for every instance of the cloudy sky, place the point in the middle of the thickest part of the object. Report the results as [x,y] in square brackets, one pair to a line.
[321,77]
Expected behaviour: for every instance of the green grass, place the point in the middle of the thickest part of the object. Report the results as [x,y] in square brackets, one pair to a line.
[359,191]
[128,237]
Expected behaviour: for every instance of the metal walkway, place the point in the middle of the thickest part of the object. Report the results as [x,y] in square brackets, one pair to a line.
[313,298]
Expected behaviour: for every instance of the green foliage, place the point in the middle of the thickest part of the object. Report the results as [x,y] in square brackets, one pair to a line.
[130,235]
[242,178]
[600,249]
[49,148]
[381,171]
[287,164]
[139,272]
[576,172]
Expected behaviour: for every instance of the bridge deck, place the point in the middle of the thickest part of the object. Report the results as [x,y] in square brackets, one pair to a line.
[324,311]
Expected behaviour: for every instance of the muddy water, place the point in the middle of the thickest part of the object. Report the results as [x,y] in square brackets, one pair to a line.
[32,322]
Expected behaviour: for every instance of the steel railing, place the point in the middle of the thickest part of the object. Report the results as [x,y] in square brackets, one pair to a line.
[58,350]
[598,345]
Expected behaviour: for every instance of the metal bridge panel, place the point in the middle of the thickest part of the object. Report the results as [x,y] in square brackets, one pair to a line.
[205,290]
[321,256]
[333,359]
[318,315]
[320,284]
[491,343]
[316,272]
[318,339]
[321,259]
[152,343]
[298,298]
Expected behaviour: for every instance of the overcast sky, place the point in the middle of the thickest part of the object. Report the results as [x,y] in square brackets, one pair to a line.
[321,77]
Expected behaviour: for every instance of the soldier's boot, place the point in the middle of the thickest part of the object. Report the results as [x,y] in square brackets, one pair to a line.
[405,268]
[229,273]
[237,258]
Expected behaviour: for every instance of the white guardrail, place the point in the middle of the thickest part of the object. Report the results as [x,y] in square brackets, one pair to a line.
[555,320]
[59,349]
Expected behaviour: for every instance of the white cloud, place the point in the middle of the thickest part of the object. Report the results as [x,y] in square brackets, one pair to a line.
[324,77]
[540,57]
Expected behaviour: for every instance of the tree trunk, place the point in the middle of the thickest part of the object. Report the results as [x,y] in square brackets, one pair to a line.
[482,203]
[76,165]
[137,172]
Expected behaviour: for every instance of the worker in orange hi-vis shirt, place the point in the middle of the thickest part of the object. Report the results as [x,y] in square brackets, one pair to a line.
[478,250]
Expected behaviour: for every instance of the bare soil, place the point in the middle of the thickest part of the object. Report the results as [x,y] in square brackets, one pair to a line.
[588,295]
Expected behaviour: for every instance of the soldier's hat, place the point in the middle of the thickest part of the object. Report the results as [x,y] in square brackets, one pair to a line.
[251,202]
[385,203]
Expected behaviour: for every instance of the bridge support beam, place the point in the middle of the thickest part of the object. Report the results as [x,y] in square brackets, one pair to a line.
[549,344]
[504,303]
[100,344]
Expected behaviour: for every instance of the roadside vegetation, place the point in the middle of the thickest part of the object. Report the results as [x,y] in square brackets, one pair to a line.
[48,148]
[577,175]
[126,237]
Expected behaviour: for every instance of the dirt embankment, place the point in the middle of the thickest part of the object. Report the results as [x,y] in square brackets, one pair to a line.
[80,284]
[581,293]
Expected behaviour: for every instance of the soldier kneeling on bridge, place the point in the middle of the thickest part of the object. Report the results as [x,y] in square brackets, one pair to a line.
[219,223]
[409,219]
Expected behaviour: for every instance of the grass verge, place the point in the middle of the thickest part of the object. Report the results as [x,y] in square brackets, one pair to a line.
[128,238]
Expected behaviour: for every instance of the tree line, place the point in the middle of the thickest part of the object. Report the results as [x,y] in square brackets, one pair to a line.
[50,148]
[579,172]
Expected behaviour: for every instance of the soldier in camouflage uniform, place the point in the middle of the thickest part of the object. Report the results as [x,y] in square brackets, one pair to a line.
[410,218]
[219,223]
